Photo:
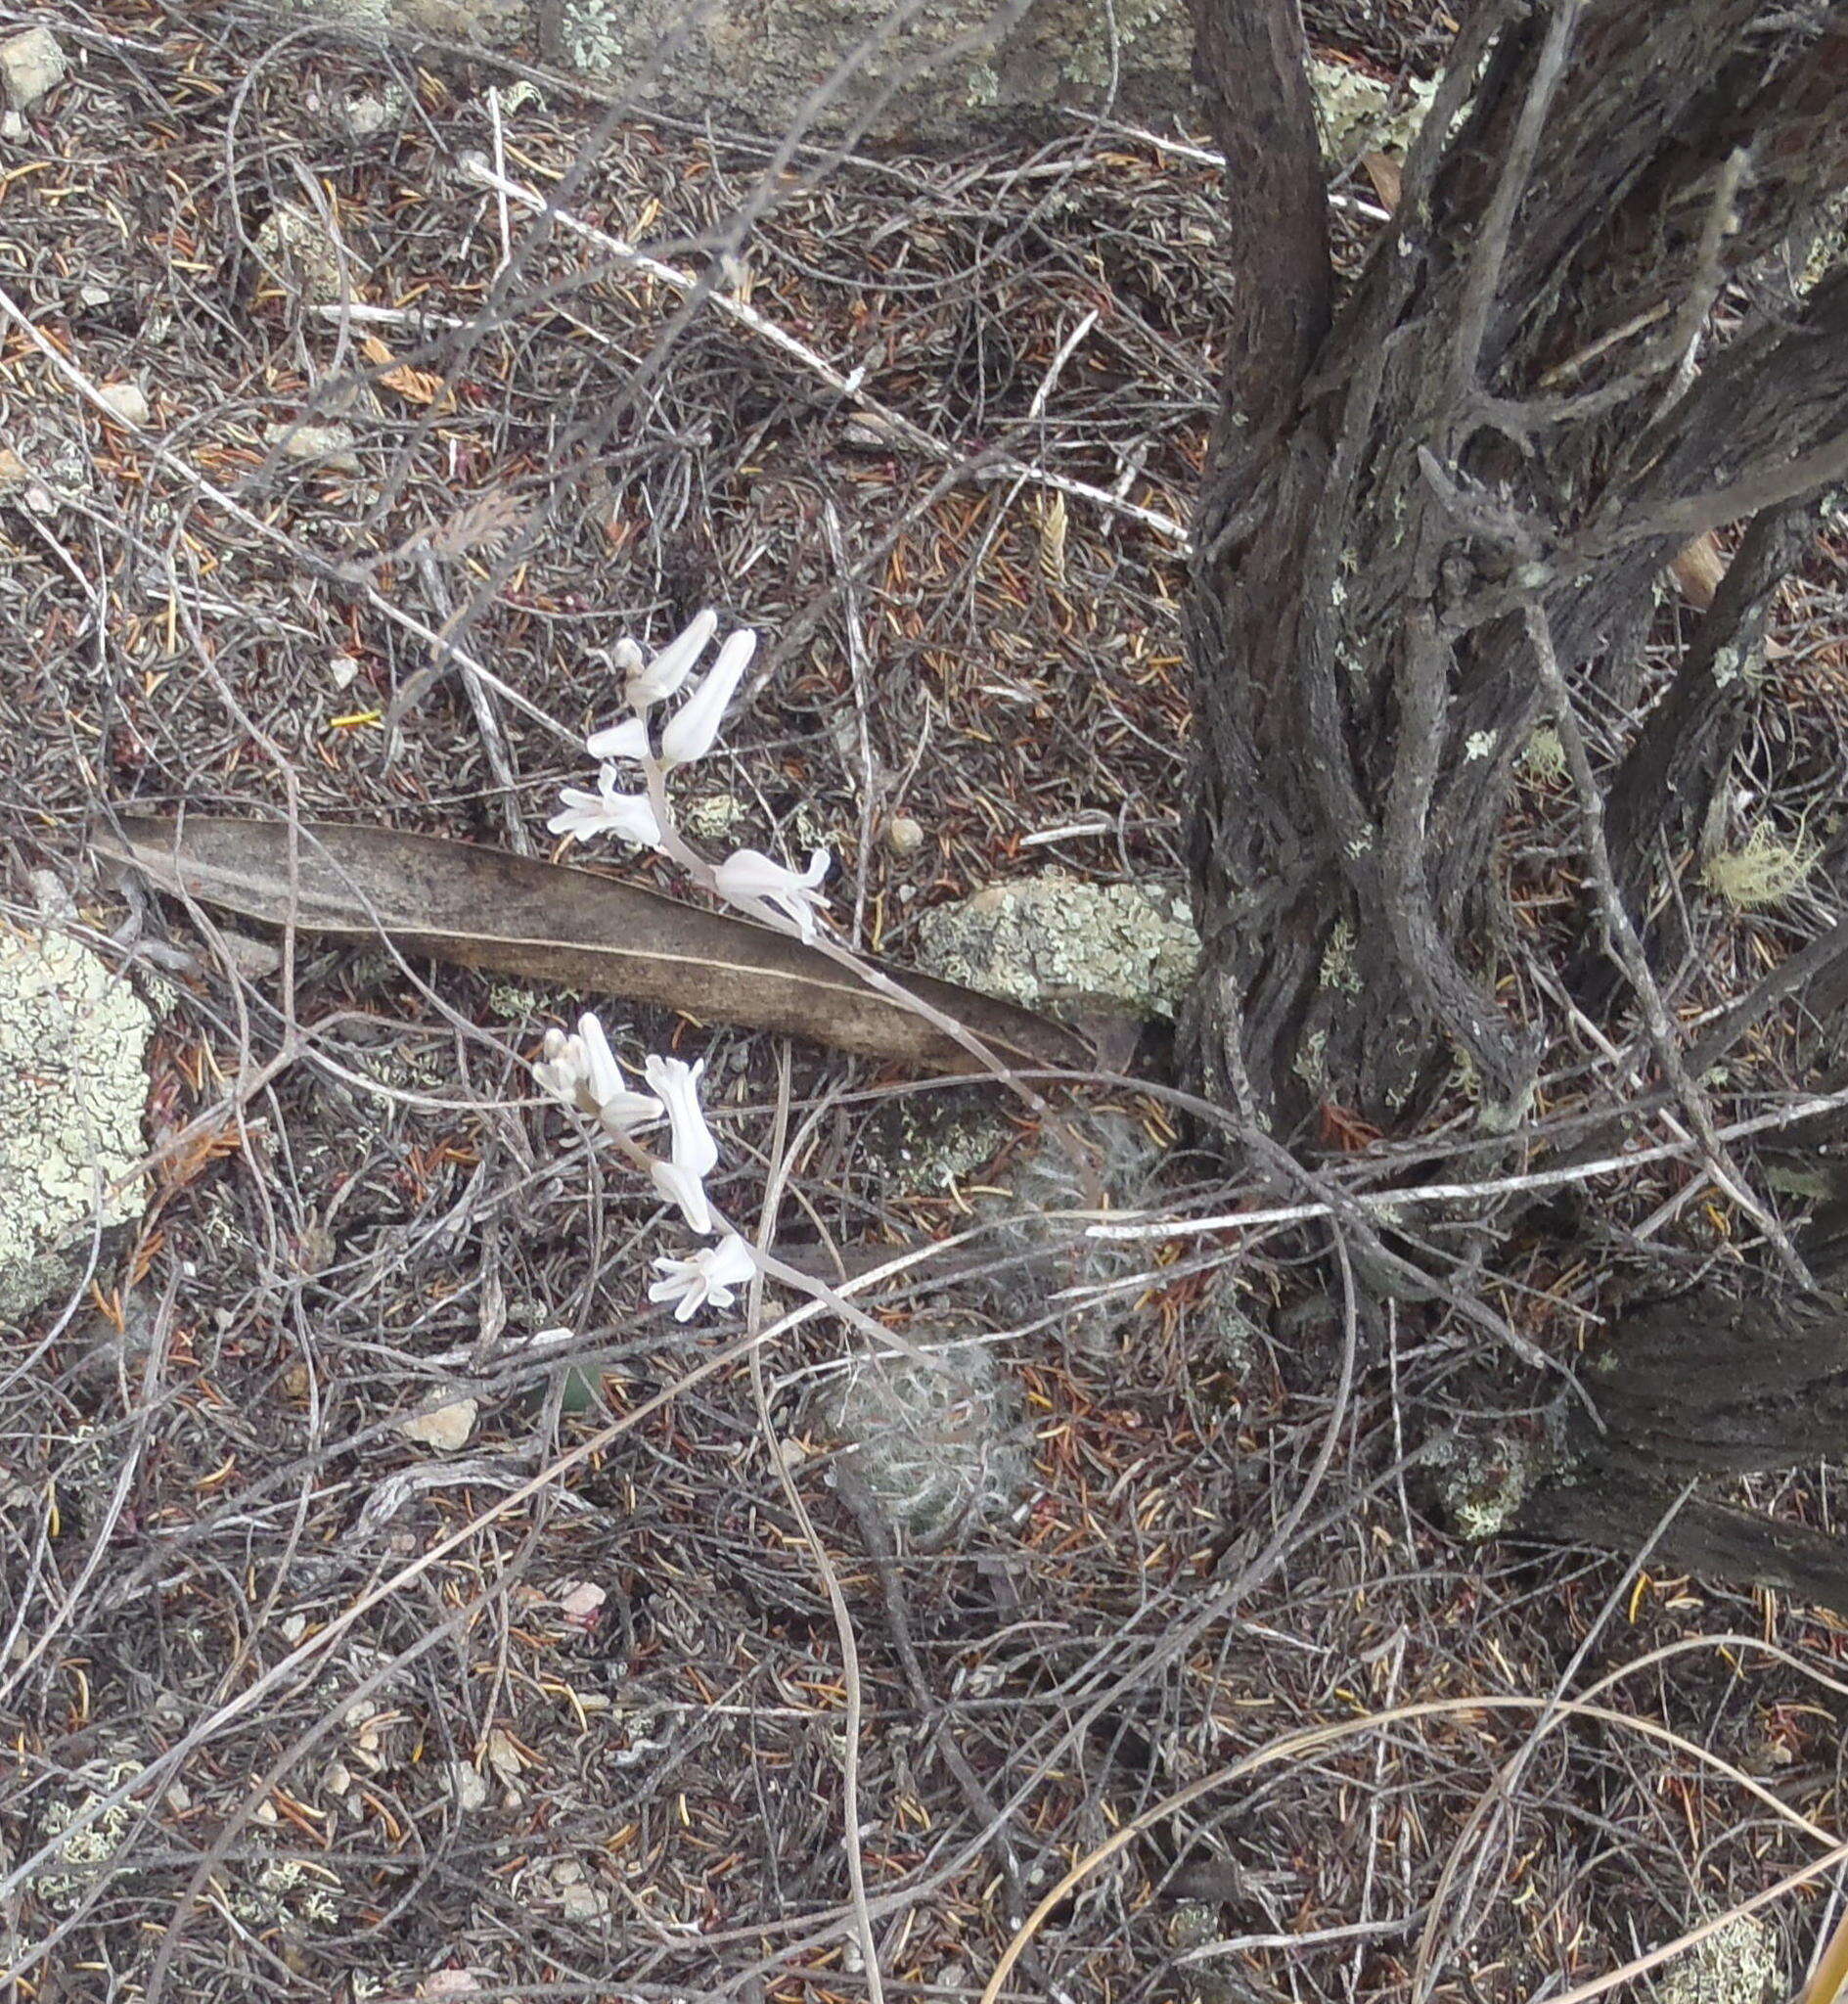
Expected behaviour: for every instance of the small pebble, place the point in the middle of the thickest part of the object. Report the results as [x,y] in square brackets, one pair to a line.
[127,401]
[30,64]
[904,837]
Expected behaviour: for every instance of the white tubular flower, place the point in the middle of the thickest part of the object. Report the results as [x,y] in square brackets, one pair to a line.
[694,728]
[749,877]
[696,1154]
[626,740]
[627,816]
[583,1072]
[565,1070]
[678,1084]
[674,664]
[621,1110]
[710,1276]
[625,1112]
[683,1188]
[604,1075]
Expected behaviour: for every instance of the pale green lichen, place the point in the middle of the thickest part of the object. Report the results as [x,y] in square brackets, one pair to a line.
[1338,968]
[1481,1483]
[87,1853]
[711,818]
[935,1143]
[1543,758]
[1355,112]
[1478,745]
[1144,29]
[1762,871]
[1311,1062]
[591,39]
[73,1039]
[285,1890]
[1049,940]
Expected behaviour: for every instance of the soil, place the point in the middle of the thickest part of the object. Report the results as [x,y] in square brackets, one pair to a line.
[602,1687]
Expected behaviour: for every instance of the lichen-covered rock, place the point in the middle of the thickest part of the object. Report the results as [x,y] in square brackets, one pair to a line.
[1053,940]
[927,74]
[73,1040]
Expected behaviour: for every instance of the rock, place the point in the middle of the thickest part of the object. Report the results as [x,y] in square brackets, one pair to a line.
[365,113]
[954,69]
[1053,939]
[73,1040]
[31,65]
[331,444]
[297,244]
[48,469]
[904,836]
[444,1430]
[466,1784]
[127,401]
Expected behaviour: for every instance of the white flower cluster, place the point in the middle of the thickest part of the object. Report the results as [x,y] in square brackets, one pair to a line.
[581,1070]
[754,882]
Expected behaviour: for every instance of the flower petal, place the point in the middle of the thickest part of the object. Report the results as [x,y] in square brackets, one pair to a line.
[713,1275]
[601,1070]
[674,664]
[694,728]
[626,740]
[562,1072]
[685,1189]
[627,1113]
[749,877]
[678,1084]
[628,817]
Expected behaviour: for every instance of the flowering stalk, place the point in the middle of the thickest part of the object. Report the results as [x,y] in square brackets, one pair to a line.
[582,1071]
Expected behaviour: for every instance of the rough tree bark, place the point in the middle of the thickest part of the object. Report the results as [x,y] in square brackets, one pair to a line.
[1424,502]
[1504,420]
[1706,1385]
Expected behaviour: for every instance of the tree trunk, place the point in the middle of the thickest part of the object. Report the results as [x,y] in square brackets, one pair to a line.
[1503,421]
[1704,1385]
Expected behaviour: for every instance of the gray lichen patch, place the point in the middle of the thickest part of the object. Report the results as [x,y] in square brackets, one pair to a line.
[1479,1481]
[1738,1965]
[73,1042]
[936,1142]
[1052,941]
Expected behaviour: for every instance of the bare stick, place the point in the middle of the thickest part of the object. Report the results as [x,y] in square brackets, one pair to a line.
[1627,949]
